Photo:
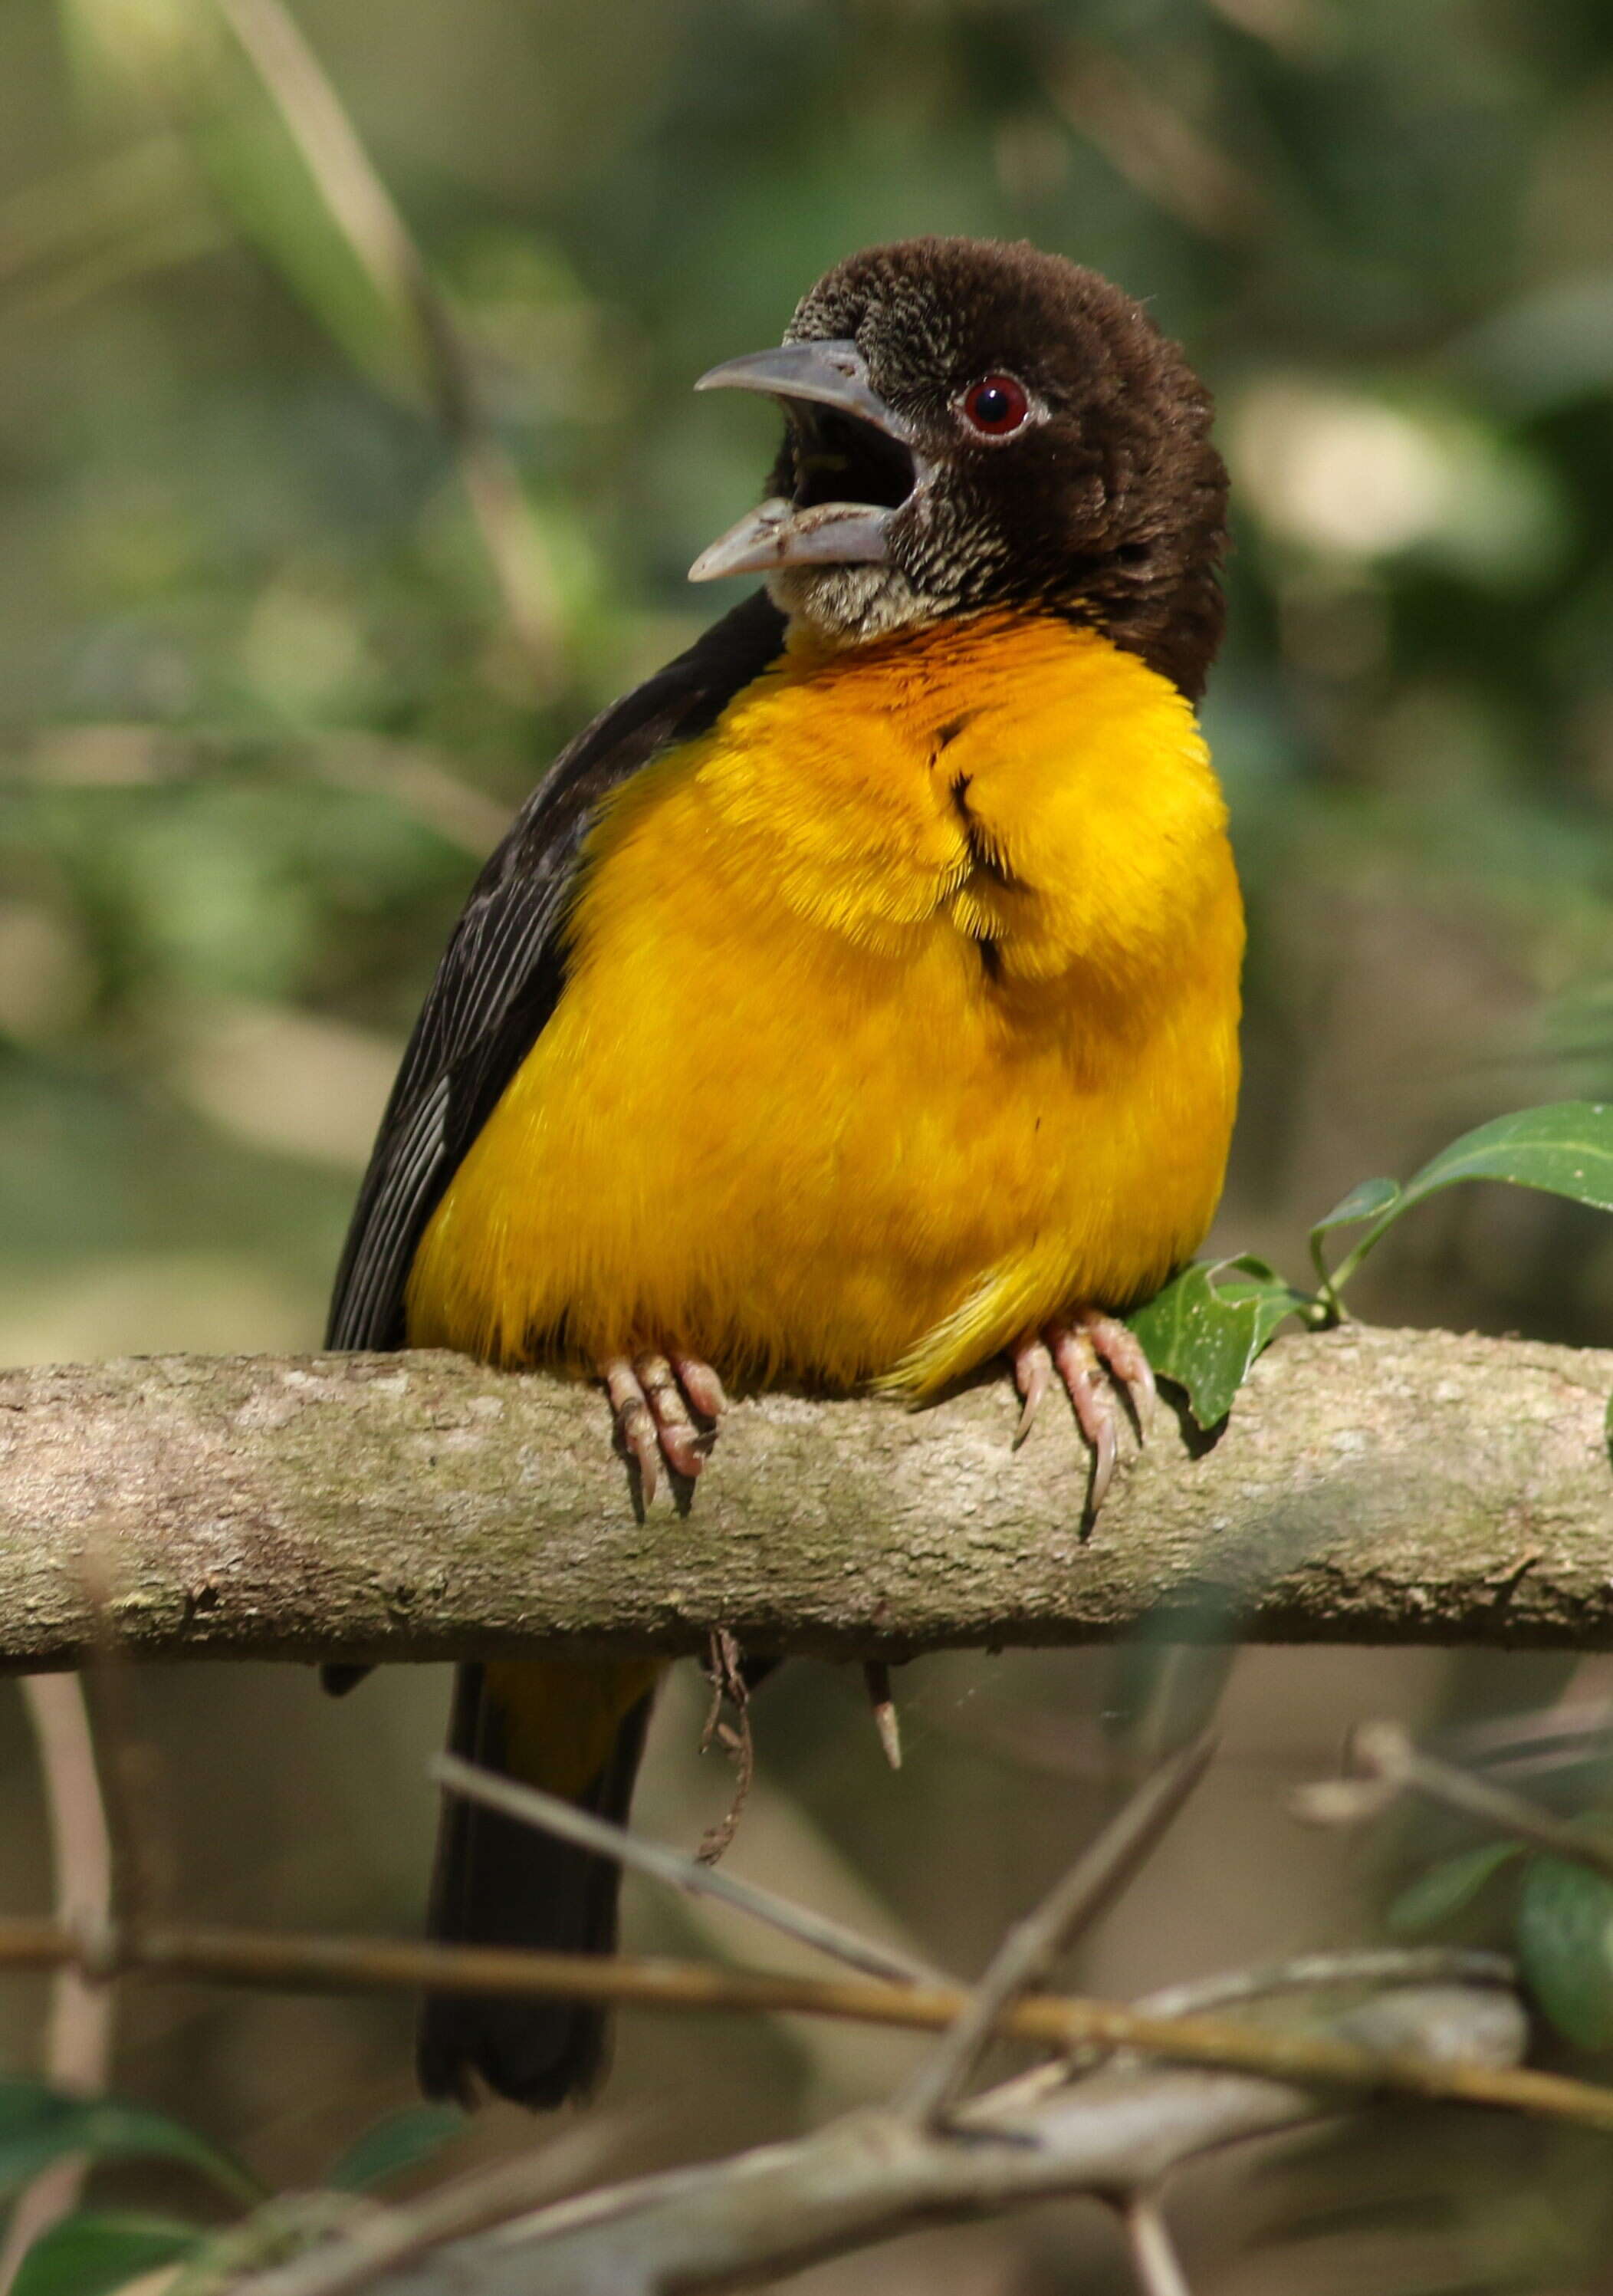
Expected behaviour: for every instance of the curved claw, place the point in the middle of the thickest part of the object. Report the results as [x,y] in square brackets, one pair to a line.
[1092,1355]
[651,1397]
[1033,1376]
[1079,1365]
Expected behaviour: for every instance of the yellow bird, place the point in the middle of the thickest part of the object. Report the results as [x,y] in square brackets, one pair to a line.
[855,1001]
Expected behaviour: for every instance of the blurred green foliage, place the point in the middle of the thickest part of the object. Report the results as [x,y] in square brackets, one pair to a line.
[90,2251]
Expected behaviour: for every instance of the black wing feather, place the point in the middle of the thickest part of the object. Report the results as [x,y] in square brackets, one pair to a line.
[503,972]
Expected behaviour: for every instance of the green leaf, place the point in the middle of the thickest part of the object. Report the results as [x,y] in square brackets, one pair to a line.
[1444,1889]
[1565,1948]
[1565,1149]
[401,2141]
[92,2255]
[39,2125]
[1208,1325]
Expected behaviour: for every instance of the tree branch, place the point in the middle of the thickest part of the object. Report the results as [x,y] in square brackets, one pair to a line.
[1371,1485]
[738,2222]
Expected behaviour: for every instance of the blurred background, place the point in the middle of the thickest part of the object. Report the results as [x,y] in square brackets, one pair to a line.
[349,462]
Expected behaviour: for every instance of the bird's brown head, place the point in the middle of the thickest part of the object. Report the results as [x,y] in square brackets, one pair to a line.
[972,426]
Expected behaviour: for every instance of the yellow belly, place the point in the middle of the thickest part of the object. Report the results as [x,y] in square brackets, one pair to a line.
[902,1014]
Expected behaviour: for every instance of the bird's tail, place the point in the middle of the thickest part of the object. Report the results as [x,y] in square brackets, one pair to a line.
[576,1730]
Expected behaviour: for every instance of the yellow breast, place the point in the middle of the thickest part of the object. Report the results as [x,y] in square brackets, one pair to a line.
[901,1014]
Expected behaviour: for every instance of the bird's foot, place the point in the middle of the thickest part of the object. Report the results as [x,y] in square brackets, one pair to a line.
[655,1400]
[1092,1354]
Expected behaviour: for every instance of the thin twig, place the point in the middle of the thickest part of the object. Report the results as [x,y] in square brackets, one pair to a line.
[726,1667]
[1504,1741]
[1319,1972]
[1153,2252]
[1032,1945]
[1381,1969]
[78,2046]
[341,1964]
[364,208]
[532,1807]
[376,2242]
[1393,1765]
[132,1811]
[1160,152]
[411,776]
[52,220]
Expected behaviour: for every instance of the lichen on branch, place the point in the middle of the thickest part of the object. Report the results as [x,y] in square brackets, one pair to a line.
[1371,1486]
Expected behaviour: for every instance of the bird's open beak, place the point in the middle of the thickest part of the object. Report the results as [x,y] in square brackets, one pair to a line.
[854,459]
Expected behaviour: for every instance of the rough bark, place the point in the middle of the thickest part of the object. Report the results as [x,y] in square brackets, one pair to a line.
[1371,1486]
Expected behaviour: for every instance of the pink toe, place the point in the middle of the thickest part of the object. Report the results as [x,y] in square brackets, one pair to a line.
[635,1422]
[701,1385]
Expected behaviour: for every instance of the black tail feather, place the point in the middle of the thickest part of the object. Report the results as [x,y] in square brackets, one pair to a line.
[499,1882]
[336,1680]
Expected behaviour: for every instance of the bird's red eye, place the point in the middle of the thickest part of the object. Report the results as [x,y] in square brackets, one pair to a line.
[996,405]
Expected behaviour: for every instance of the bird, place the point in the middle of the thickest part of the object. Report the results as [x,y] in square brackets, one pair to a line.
[854,1002]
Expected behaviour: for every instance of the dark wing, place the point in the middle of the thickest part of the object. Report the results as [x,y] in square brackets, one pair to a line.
[503,972]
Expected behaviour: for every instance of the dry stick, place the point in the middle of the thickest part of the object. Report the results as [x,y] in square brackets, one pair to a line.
[867,2176]
[79,2048]
[1105,2123]
[410,778]
[1319,1972]
[336,1964]
[726,1671]
[1394,1765]
[1105,1867]
[1158,151]
[1153,2252]
[1380,1968]
[547,1811]
[335,157]
[1508,1740]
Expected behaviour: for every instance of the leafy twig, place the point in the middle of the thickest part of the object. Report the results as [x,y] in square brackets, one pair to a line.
[1393,1765]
